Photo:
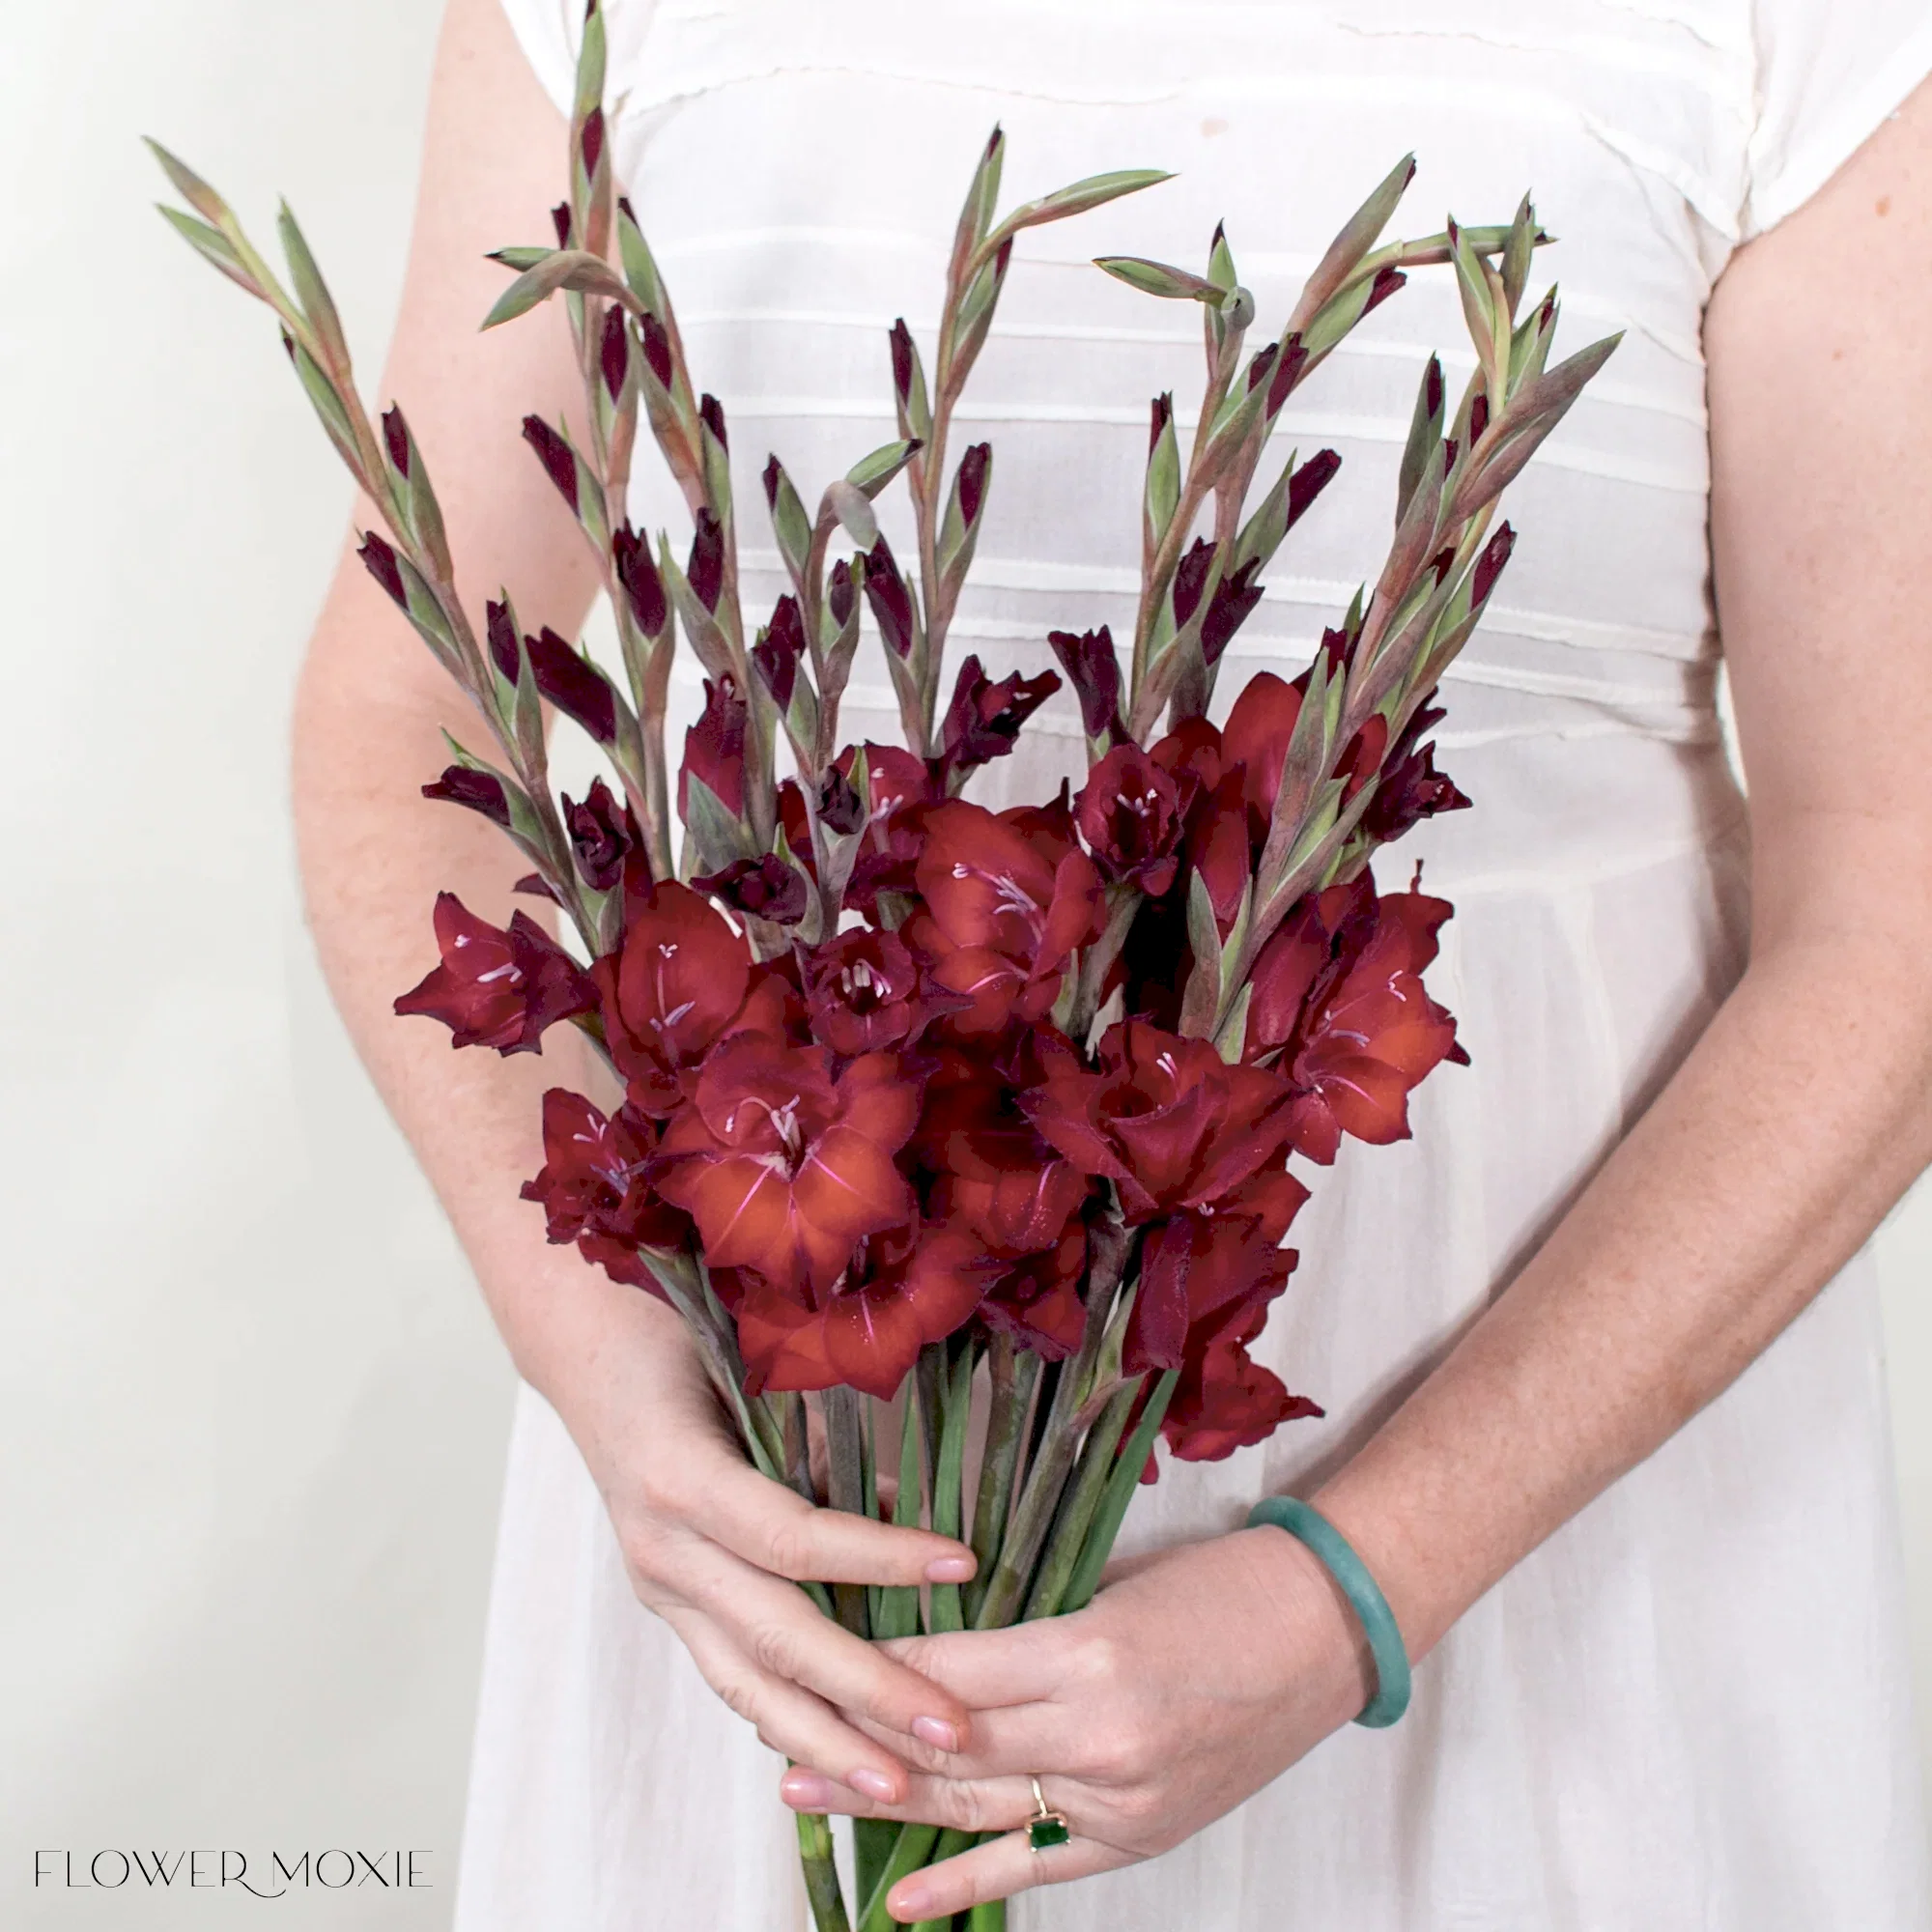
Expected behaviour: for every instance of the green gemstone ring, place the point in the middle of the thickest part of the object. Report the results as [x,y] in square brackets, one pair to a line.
[1046,1827]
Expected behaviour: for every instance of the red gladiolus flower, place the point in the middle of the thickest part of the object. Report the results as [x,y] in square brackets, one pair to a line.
[1165,1118]
[766,888]
[1224,1401]
[900,1291]
[1037,1301]
[714,749]
[1002,916]
[983,720]
[1338,990]
[1131,814]
[862,990]
[1256,735]
[603,834]
[592,1189]
[901,790]
[677,984]
[497,988]
[1200,1262]
[784,1165]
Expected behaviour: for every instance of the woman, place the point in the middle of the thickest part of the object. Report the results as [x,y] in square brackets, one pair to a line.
[1639,1531]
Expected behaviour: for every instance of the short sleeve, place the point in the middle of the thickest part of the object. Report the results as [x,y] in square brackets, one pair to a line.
[549,33]
[1829,74]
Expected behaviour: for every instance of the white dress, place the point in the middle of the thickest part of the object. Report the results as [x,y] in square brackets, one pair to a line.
[1689,1712]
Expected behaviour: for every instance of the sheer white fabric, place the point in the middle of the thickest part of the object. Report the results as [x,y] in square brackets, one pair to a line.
[1691,1710]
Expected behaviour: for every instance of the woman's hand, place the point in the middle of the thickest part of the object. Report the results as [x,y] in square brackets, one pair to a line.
[717,1551]
[1183,1687]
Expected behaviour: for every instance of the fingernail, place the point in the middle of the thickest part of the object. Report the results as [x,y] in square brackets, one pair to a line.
[909,1905]
[936,1732]
[950,1570]
[872,1784]
[805,1788]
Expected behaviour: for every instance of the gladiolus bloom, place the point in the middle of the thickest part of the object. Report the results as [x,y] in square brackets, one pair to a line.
[592,1188]
[1338,991]
[784,1164]
[494,987]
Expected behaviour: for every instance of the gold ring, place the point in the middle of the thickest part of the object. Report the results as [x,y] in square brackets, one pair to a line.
[1046,1827]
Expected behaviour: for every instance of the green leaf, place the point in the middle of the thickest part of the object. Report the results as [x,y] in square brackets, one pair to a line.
[1517,252]
[1204,934]
[1162,494]
[1263,533]
[190,186]
[561,269]
[1233,1038]
[1221,263]
[520,259]
[853,509]
[1122,1485]
[1425,435]
[1079,197]
[976,219]
[790,524]
[872,473]
[1359,233]
[312,293]
[590,60]
[213,246]
[716,835]
[640,268]
[1160,278]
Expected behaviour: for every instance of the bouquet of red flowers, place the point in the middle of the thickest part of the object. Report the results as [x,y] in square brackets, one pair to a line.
[912,1089]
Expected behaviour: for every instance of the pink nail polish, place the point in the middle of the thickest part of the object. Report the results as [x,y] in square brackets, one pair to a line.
[949,1570]
[936,1732]
[875,1784]
[910,1906]
[805,1789]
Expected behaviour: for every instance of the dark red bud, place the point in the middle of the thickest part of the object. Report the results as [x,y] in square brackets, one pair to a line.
[706,570]
[841,809]
[593,141]
[630,213]
[556,455]
[1479,417]
[901,341]
[1234,597]
[1160,416]
[1309,481]
[1432,379]
[657,348]
[713,412]
[1287,374]
[774,476]
[614,351]
[396,441]
[973,468]
[480,791]
[839,596]
[379,561]
[1489,566]
[1093,671]
[891,600]
[506,652]
[1263,362]
[1389,279]
[580,691]
[288,345]
[777,652]
[1190,579]
[765,888]
[559,219]
[537,887]
[637,573]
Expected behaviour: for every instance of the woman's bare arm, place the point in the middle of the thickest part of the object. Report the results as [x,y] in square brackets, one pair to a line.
[708,1541]
[1801,1116]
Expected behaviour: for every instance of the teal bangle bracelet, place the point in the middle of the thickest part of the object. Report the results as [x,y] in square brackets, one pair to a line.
[1307,1525]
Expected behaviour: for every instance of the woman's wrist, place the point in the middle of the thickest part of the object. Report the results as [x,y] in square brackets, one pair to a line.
[1324,1645]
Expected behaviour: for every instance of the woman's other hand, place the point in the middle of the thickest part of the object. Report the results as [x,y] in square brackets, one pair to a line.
[1185,1686]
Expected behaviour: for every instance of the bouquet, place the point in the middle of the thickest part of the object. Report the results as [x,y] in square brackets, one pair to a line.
[916,1093]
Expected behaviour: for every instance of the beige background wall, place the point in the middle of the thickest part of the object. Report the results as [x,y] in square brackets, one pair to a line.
[251,1415]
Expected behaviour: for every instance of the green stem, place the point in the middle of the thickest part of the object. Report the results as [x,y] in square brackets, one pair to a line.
[991,1917]
[1014,1376]
[913,1850]
[872,1842]
[1119,1493]
[949,1476]
[821,1874]
[1068,1542]
[951,1844]
[845,1463]
[898,1602]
